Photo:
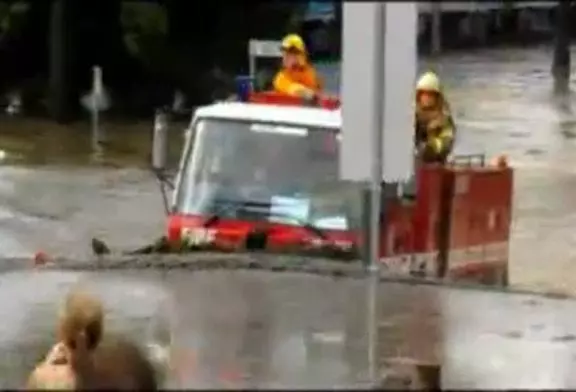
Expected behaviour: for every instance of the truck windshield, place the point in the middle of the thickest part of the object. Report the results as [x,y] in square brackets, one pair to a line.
[275,172]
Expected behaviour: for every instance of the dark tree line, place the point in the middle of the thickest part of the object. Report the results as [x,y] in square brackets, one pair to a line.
[49,55]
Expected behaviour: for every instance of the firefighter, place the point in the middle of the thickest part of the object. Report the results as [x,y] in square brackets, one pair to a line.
[435,127]
[297,76]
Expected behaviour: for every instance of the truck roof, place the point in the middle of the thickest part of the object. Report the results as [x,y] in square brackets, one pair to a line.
[297,115]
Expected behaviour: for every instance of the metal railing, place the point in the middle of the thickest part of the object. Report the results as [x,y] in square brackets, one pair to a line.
[468,160]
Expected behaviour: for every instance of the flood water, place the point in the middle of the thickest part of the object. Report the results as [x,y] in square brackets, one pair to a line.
[55,195]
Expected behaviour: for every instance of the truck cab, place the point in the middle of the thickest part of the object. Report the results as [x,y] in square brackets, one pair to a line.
[248,167]
[262,173]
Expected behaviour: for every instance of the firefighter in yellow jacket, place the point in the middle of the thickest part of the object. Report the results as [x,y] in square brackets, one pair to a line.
[435,127]
[297,76]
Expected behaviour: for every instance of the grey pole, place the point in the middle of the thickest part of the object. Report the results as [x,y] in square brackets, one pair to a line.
[97,96]
[378,125]
[376,207]
[377,143]
[372,326]
[95,129]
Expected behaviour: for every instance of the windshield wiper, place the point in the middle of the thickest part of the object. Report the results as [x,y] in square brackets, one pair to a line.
[237,206]
[226,206]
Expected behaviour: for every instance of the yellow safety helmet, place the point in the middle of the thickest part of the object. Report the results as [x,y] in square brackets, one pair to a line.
[429,81]
[293,42]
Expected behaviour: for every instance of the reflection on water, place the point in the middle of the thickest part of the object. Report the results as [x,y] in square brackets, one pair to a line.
[249,329]
[30,305]
[35,142]
[231,329]
[259,333]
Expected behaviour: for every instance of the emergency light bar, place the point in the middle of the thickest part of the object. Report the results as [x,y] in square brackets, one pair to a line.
[244,87]
[246,94]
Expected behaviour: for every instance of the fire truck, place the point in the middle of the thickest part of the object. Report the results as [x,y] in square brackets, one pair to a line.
[260,173]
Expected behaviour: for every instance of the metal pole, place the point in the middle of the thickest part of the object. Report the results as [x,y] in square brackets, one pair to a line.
[366,223]
[377,162]
[95,129]
[97,96]
[372,327]
[376,193]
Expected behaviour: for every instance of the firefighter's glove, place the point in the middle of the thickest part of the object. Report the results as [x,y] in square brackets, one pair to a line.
[436,124]
[308,95]
[435,145]
[429,150]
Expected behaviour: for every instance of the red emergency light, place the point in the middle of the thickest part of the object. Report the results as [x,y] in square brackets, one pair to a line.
[274,98]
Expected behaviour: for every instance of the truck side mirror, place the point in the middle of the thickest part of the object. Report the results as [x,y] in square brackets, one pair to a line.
[160,141]
[160,154]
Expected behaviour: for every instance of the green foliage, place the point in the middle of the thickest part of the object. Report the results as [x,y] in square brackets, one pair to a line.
[145,28]
[12,15]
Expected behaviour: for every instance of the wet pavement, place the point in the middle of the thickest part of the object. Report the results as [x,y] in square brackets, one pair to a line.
[55,195]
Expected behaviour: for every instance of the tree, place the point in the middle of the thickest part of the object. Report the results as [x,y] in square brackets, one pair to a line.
[206,44]
[23,44]
[61,80]
[209,39]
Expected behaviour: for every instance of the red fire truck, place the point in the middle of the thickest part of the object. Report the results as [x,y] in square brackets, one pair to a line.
[261,173]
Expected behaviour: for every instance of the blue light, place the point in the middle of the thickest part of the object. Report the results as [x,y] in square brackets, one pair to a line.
[244,87]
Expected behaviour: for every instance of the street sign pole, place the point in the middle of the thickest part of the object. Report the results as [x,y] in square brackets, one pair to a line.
[378,75]
[362,76]
[378,103]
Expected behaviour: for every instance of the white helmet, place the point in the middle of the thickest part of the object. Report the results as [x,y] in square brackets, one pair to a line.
[429,81]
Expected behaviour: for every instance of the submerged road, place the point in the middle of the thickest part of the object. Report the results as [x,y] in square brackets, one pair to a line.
[54,197]
[503,103]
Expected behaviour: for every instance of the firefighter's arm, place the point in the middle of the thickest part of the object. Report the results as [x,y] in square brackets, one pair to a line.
[318,80]
[284,85]
[441,142]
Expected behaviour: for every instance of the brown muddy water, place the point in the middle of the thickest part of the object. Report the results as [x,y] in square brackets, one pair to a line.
[55,194]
